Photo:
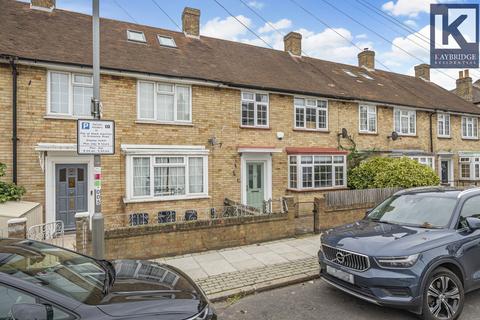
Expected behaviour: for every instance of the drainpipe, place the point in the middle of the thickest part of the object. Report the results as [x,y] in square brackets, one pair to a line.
[431,131]
[13,64]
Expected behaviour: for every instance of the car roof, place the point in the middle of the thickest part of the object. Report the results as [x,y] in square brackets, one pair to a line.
[447,192]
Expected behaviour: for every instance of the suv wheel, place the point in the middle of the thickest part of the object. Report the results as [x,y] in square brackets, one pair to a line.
[443,296]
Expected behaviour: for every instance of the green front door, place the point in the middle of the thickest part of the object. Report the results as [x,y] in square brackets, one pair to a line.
[255,184]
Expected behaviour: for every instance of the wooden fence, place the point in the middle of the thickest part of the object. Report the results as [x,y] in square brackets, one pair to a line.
[347,198]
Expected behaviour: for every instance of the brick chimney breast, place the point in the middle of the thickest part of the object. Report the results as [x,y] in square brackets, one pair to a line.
[464,85]
[292,43]
[366,59]
[191,22]
[422,71]
[47,5]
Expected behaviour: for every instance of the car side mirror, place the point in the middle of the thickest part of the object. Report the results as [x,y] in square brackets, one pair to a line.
[367,212]
[473,223]
[29,311]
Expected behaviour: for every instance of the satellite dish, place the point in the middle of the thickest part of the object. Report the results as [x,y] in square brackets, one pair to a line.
[393,136]
[344,133]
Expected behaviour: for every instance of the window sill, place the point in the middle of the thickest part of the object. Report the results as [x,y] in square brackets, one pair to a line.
[444,137]
[188,124]
[311,130]
[65,117]
[318,189]
[468,138]
[140,200]
[407,135]
[368,133]
[255,128]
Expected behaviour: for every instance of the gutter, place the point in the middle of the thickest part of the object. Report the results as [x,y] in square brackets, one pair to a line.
[431,131]
[13,64]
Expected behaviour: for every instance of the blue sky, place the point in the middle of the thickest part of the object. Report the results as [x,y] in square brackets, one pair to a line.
[318,40]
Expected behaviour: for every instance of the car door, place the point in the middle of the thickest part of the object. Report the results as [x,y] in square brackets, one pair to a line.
[470,245]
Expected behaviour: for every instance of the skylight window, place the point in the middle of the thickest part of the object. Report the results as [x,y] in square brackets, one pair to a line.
[350,73]
[366,76]
[137,36]
[166,41]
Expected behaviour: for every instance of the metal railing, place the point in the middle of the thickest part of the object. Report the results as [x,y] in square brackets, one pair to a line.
[51,232]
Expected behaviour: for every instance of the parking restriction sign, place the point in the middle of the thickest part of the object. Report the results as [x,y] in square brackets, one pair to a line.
[95,137]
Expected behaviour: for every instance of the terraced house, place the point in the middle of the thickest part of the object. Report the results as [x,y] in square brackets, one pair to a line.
[199,119]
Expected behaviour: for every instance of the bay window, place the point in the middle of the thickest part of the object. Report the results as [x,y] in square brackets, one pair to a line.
[317,171]
[164,102]
[469,128]
[368,118]
[405,121]
[254,109]
[69,94]
[166,177]
[311,114]
[469,168]
[443,124]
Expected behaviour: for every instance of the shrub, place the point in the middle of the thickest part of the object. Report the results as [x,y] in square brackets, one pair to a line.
[381,172]
[9,191]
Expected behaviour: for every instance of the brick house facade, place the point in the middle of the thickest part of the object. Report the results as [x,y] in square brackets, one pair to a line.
[217,141]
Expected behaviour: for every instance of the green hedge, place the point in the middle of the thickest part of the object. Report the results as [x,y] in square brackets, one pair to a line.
[381,172]
[9,191]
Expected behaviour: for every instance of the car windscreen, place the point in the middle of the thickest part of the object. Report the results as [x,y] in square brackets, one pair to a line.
[416,210]
[63,271]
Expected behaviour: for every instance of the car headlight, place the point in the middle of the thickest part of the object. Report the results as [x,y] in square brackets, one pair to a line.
[398,262]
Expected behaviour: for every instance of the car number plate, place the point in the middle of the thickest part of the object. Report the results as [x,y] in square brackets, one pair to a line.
[342,275]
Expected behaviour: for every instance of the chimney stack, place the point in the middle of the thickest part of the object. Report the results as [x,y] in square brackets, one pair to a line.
[292,43]
[191,22]
[422,71]
[464,85]
[47,5]
[366,59]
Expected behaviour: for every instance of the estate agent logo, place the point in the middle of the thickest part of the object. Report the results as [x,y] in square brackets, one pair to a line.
[454,35]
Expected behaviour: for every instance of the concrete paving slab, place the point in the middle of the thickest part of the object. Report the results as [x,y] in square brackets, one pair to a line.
[206,257]
[216,267]
[281,248]
[235,255]
[252,263]
[269,258]
[187,263]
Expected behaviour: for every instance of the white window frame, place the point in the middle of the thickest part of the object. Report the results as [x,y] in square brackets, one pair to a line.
[71,77]
[299,167]
[473,121]
[255,109]
[130,31]
[410,112]
[474,168]
[428,161]
[151,197]
[159,37]
[155,107]
[369,113]
[317,116]
[442,124]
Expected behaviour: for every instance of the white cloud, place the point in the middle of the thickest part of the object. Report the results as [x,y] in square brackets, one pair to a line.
[228,28]
[409,8]
[256,4]
[411,23]
[361,36]
[279,25]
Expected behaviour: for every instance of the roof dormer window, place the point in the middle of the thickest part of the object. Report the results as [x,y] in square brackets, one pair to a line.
[166,41]
[350,73]
[137,36]
[366,76]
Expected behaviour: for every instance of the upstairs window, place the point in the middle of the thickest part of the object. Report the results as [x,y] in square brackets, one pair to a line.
[69,94]
[368,118]
[166,41]
[405,122]
[311,114]
[254,109]
[317,171]
[164,102]
[469,128]
[137,36]
[443,124]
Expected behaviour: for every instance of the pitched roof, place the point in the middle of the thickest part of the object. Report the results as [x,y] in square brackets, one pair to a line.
[64,37]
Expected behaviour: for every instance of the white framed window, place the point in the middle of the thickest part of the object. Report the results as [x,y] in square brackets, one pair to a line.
[425,160]
[469,168]
[167,177]
[311,114]
[137,36]
[255,110]
[69,94]
[367,118]
[166,41]
[469,127]
[405,121]
[164,102]
[443,124]
[317,171]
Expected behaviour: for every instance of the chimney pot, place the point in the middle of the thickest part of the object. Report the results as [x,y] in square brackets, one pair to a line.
[191,22]
[466,73]
[292,43]
[460,74]
[48,5]
[464,85]
[366,59]
[422,71]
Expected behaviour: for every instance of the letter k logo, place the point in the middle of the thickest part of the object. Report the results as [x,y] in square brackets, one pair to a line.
[452,29]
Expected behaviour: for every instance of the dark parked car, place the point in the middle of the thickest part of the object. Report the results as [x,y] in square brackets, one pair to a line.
[418,250]
[41,281]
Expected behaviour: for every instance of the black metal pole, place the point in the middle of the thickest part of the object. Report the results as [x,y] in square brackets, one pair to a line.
[14,120]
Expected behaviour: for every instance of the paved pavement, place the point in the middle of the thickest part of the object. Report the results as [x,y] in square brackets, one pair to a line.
[317,300]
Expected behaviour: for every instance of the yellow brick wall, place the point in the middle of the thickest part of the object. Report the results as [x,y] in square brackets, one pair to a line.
[216,112]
